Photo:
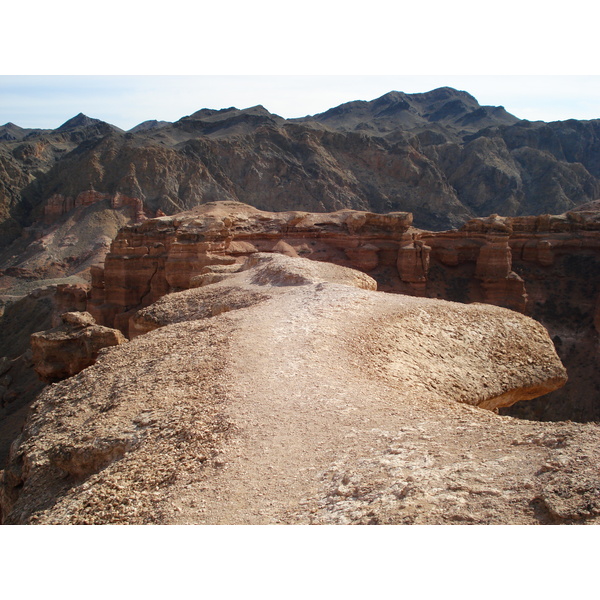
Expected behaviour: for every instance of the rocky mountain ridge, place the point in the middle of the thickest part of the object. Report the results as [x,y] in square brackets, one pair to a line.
[455,110]
[439,155]
[314,400]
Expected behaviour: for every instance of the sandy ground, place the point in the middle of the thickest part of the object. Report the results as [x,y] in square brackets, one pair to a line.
[321,403]
[323,439]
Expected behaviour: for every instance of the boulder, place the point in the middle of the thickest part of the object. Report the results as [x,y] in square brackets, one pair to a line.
[65,350]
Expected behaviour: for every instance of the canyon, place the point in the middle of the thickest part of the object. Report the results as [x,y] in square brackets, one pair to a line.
[238,232]
[546,267]
[310,399]
[267,382]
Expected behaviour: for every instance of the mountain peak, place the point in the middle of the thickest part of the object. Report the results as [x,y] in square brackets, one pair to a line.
[446,92]
[77,121]
[209,114]
[392,96]
[152,124]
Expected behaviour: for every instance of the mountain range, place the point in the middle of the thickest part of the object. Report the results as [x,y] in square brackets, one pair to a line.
[305,314]
[439,154]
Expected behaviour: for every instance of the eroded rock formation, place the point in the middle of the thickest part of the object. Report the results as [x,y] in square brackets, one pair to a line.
[551,272]
[312,399]
[72,346]
[57,205]
[19,385]
[547,267]
[148,260]
[163,255]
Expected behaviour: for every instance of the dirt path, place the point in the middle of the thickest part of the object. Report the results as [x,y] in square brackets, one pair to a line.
[314,445]
[314,403]
[292,419]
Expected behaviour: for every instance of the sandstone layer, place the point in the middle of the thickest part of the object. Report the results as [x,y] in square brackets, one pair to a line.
[168,254]
[547,267]
[316,400]
[72,346]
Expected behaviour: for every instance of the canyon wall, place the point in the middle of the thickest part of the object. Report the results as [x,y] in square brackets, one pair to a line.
[19,385]
[308,397]
[547,267]
[58,205]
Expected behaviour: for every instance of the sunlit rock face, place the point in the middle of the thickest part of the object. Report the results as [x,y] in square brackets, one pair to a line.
[169,253]
[546,267]
[281,387]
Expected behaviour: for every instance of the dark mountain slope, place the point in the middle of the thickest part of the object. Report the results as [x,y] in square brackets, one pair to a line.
[438,154]
[455,110]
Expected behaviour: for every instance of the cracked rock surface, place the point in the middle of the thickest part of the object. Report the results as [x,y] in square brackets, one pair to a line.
[317,401]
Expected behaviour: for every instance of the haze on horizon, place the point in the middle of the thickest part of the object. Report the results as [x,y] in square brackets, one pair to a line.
[47,101]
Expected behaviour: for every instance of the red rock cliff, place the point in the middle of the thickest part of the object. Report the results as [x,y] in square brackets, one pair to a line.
[147,261]
[58,205]
[545,266]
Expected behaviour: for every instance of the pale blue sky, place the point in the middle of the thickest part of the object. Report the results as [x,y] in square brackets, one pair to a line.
[488,49]
[48,101]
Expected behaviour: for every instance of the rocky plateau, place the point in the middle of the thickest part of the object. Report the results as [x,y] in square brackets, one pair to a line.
[547,267]
[309,317]
[313,399]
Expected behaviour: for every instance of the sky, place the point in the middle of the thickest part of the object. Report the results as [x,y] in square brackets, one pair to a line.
[47,101]
[126,62]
